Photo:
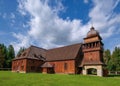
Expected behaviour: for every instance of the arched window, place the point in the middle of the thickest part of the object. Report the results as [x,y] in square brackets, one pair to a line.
[92,71]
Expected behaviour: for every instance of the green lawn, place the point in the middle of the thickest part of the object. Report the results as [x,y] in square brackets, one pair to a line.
[8,78]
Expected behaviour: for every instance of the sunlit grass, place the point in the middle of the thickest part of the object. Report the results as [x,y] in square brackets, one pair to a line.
[8,78]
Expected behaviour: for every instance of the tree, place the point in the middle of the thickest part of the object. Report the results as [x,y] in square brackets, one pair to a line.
[5,56]
[20,51]
[2,57]
[10,55]
[107,56]
[114,63]
[116,58]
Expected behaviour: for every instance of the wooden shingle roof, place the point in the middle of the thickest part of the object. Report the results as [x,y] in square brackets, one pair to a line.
[63,53]
[33,52]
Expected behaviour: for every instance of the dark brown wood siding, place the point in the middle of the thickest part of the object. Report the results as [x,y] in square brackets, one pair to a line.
[34,65]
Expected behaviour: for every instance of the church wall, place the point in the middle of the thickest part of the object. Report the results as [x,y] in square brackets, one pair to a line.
[67,66]
[33,65]
[19,65]
[26,65]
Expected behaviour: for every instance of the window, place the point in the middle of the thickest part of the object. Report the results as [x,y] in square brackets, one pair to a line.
[33,61]
[35,55]
[22,67]
[21,61]
[32,67]
[54,65]
[65,66]
[24,54]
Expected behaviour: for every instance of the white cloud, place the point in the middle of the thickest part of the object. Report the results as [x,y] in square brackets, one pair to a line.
[23,41]
[118,45]
[86,1]
[103,17]
[12,15]
[48,30]
[4,15]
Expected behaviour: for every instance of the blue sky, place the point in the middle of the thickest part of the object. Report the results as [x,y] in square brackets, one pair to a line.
[54,23]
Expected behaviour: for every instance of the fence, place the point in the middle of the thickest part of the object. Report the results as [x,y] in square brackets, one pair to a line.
[114,72]
[5,69]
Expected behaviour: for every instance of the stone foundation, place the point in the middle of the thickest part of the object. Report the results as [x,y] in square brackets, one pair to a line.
[99,69]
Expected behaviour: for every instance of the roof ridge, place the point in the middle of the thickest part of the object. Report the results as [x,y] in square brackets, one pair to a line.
[38,47]
[65,46]
[29,51]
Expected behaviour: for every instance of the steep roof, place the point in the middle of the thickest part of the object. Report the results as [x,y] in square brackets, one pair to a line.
[33,52]
[63,53]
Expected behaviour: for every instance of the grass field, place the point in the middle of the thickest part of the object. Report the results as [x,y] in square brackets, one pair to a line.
[8,78]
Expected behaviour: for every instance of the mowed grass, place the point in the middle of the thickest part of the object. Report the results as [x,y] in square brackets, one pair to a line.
[7,78]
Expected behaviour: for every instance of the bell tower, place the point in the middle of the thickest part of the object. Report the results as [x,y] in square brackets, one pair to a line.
[93,52]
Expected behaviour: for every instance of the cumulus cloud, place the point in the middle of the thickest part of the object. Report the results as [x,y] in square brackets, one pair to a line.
[103,16]
[22,41]
[48,30]
[86,1]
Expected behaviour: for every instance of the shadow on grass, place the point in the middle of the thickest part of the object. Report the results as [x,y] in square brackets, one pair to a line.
[113,76]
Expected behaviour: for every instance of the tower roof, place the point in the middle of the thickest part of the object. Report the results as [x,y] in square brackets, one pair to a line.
[92,32]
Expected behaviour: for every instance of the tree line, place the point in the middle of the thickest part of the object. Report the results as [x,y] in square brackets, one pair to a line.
[7,54]
[112,60]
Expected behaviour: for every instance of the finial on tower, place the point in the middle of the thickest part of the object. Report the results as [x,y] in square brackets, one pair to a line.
[92,28]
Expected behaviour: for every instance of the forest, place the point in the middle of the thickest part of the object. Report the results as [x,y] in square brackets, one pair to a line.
[112,59]
[7,54]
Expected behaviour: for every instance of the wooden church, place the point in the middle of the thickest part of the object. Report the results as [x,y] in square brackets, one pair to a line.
[79,58]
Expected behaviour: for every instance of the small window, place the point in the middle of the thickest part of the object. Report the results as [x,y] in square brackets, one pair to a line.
[22,67]
[54,65]
[65,66]
[24,54]
[33,61]
[32,67]
[35,55]
[21,61]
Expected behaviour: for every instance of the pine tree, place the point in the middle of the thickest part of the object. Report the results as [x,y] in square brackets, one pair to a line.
[5,54]
[10,55]
[114,63]
[20,51]
[2,57]
[107,56]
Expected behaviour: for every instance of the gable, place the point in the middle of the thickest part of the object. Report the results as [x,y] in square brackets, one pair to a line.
[33,52]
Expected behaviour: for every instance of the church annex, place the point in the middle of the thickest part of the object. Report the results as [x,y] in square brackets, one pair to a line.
[72,59]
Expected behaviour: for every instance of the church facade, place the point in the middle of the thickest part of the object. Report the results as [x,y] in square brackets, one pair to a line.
[82,58]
